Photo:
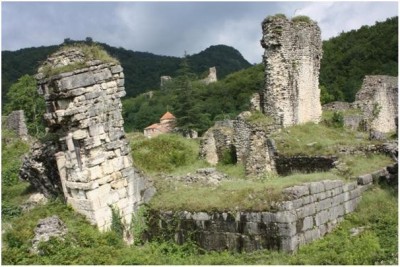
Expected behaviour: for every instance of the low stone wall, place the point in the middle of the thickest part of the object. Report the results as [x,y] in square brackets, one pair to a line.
[286,165]
[15,121]
[310,211]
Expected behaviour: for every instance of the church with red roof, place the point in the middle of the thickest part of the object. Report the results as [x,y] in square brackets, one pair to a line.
[166,125]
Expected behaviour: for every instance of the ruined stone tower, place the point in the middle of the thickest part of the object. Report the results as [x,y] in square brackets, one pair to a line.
[293,50]
[83,112]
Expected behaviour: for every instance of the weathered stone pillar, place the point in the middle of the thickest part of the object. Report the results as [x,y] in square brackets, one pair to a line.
[378,100]
[293,50]
[83,109]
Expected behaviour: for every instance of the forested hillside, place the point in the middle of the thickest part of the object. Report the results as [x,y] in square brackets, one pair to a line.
[352,55]
[142,70]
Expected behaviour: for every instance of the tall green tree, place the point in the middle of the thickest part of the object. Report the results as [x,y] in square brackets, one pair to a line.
[23,95]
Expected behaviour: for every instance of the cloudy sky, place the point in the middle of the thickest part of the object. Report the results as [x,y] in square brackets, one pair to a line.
[170,28]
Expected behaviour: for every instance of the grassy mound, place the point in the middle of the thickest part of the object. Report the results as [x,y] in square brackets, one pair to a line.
[163,153]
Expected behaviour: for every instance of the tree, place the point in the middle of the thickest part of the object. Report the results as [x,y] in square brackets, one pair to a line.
[24,96]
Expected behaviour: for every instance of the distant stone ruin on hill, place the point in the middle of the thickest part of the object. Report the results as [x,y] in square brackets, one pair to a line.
[15,121]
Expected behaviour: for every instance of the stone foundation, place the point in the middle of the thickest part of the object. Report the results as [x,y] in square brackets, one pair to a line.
[15,121]
[311,211]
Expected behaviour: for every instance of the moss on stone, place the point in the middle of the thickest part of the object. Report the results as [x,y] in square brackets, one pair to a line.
[302,18]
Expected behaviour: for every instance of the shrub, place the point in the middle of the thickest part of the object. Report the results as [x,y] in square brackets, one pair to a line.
[301,18]
[164,152]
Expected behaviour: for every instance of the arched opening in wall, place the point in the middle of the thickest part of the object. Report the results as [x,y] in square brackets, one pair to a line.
[228,155]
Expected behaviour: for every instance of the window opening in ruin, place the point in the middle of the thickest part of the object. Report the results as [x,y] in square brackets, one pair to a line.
[77,146]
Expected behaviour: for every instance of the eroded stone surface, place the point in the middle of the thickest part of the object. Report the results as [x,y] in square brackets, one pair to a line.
[91,155]
[15,121]
[293,51]
[46,229]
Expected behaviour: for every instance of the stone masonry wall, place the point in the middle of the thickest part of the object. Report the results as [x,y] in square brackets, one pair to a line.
[310,211]
[293,51]
[83,108]
[15,121]
[379,92]
[249,143]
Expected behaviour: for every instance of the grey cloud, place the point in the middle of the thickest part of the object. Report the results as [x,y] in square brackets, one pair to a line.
[170,28]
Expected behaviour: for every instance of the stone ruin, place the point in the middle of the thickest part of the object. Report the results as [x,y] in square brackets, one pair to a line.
[92,155]
[378,101]
[212,76]
[15,121]
[164,80]
[293,50]
[291,96]
[375,108]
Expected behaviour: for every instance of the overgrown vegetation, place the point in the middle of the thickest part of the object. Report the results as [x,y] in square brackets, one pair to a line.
[164,152]
[316,139]
[301,19]
[91,52]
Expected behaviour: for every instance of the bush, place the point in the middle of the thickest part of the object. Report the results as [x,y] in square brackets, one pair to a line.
[301,18]
[164,152]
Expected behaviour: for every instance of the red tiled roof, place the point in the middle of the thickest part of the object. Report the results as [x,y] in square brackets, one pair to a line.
[153,126]
[167,116]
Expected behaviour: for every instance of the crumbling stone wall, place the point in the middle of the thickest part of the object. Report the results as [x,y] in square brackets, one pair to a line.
[379,95]
[83,109]
[249,144]
[15,121]
[293,50]
[311,211]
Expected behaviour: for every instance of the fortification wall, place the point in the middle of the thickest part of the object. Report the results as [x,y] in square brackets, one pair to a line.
[311,211]
[293,50]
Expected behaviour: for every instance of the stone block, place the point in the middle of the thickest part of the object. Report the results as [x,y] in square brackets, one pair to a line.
[99,192]
[253,216]
[112,197]
[251,228]
[316,187]
[336,212]
[286,205]
[107,168]
[75,81]
[122,203]
[364,179]
[320,196]
[84,186]
[351,205]
[96,160]
[321,217]
[201,216]
[349,186]
[77,92]
[297,191]
[95,172]
[308,223]
[79,134]
[78,194]
[289,244]
[322,229]
[268,217]
[104,180]
[355,193]
[364,188]
[306,210]
[118,164]
[120,183]
[80,204]
[311,235]
[339,199]
[116,69]
[285,217]
[102,75]
[122,192]
[287,229]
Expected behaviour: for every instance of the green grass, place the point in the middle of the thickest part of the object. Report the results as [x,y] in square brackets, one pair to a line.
[259,119]
[252,194]
[363,164]
[91,52]
[316,139]
[83,244]
[301,18]
[164,153]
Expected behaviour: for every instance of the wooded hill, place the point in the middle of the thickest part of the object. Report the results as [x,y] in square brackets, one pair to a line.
[142,70]
[346,60]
